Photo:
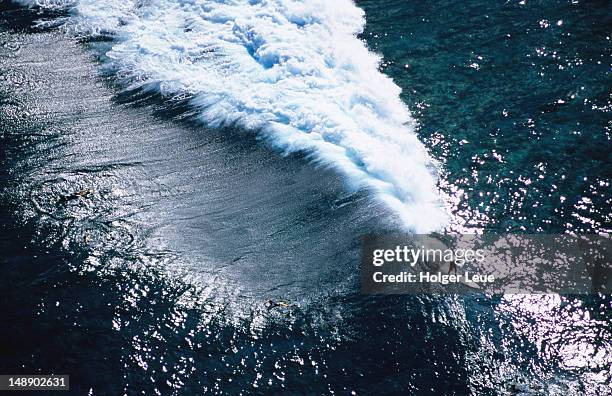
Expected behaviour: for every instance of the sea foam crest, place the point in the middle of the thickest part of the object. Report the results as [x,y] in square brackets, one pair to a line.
[293,70]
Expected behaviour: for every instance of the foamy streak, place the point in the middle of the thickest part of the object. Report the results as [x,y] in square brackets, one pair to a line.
[293,70]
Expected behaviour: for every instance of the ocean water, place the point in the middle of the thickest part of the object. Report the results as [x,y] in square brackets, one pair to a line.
[168,167]
[520,119]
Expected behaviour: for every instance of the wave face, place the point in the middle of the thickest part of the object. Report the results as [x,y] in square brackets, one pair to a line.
[294,71]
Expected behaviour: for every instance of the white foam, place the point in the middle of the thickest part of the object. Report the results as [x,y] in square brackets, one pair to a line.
[292,70]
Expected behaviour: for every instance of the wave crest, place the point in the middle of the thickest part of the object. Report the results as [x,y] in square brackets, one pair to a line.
[293,70]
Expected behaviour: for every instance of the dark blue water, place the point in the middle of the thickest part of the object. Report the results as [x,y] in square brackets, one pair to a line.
[156,280]
[514,98]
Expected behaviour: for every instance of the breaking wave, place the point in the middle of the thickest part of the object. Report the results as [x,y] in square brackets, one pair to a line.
[294,71]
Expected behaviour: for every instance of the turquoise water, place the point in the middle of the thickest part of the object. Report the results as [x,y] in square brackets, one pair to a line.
[142,241]
[513,98]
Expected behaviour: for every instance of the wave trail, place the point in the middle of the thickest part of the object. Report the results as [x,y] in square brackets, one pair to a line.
[293,70]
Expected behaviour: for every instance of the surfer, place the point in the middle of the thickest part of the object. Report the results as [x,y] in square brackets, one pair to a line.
[452,266]
[76,195]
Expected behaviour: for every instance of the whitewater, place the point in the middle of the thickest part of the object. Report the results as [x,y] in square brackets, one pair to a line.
[295,72]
